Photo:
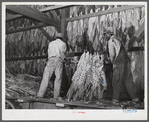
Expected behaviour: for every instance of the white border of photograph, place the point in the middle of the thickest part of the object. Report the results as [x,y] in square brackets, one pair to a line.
[62,114]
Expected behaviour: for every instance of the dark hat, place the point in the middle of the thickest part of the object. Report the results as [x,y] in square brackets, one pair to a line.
[109,30]
[59,35]
[128,24]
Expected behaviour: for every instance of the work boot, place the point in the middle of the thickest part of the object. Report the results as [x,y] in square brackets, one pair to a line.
[57,99]
[37,96]
[135,103]
[136,100]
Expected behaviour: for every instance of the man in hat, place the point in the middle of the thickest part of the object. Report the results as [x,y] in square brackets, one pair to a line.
[121,67]
[56,57]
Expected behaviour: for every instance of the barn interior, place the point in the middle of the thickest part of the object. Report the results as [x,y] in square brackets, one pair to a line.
[29,30]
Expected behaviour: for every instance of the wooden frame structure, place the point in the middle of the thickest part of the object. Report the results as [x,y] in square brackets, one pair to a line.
[104,12]
[61,24]
[34,14]
[42,10]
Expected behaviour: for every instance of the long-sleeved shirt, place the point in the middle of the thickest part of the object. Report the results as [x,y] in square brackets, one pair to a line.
[57,48]
[114,46]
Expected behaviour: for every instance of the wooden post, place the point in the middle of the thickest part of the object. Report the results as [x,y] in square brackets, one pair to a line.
[63,23]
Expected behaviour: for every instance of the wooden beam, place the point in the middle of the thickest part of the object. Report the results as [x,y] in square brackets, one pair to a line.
[136,49]
[11,17]
[34,14]
[104,12]
[27,58]
[135,36]
[46,56]
[104,105]
[63,22]
[26,28]
[42,57]
[53,8]
[46,34]
[54,14]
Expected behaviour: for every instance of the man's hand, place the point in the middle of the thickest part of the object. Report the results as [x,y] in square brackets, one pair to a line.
[105,86]
[106,61]
[66,61]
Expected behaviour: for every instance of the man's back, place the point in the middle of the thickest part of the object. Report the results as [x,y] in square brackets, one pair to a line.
[57,48]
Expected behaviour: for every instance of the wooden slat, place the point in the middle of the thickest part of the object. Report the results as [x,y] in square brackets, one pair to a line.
[136,49]
[27,58]
[41,57]
[11,17]
[34,14]
[46,56]
[104,12]
[135,36]
[27,28]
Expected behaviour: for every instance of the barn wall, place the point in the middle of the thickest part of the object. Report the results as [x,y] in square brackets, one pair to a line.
[26,44]
[88,33]
[80,34]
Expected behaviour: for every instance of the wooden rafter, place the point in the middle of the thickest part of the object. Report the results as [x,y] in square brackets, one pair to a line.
[46,34]
[11,17]
[54,7]
[54,14]
[34,14]
[104,12]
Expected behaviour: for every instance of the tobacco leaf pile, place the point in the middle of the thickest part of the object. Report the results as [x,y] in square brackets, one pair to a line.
[24,85]
[88,81]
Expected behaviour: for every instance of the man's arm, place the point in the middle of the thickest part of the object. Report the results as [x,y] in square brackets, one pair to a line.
[112,51]
[63,52]
[49,48]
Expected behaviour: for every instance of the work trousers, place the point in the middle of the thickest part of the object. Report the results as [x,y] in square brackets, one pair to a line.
[122,75]
[54,65]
